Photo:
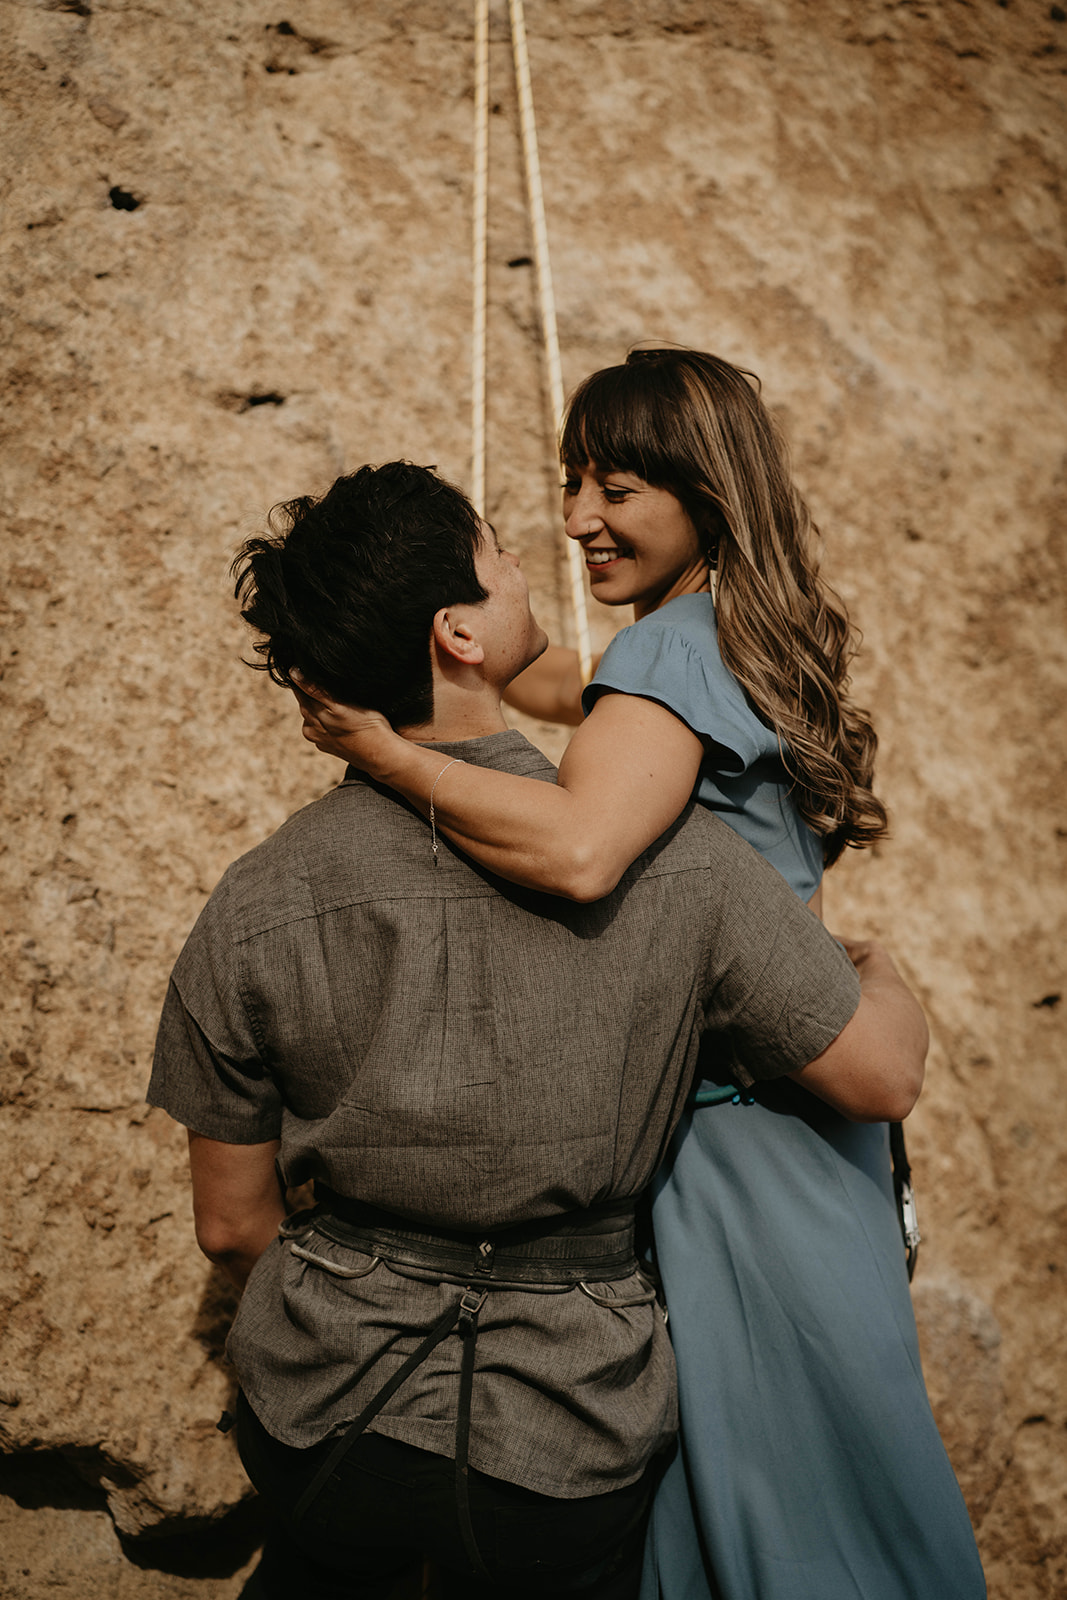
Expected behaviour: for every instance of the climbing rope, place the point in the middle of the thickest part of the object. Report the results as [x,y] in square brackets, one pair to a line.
[536,201]
[481,213]
[546,297]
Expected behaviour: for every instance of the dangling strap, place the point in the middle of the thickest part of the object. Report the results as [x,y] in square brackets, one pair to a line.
[469,1307]
[465,1315]
[438,1332]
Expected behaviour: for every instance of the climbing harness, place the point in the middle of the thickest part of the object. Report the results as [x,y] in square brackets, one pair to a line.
[542,265]
[575,1251]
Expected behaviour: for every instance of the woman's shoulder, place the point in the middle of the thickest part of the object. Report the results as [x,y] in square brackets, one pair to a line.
[675,642]
[680,635]
[672,656]
[688,618]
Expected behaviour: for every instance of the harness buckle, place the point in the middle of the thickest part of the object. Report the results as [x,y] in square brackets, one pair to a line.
[471,1302]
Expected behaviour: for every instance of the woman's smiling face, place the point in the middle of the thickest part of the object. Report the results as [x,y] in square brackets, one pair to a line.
[641,546]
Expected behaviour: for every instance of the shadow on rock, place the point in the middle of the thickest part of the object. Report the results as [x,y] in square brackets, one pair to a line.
[218,1549]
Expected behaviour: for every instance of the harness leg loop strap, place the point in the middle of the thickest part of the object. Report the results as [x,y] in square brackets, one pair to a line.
[580,1249]
[439,1331]
[464,1318]
[467,1328]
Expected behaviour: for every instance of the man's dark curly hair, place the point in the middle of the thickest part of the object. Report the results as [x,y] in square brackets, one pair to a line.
[345,588]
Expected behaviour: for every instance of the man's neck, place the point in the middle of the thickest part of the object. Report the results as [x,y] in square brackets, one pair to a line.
[454,719]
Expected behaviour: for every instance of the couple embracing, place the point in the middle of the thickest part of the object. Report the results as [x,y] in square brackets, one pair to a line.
[492,1011]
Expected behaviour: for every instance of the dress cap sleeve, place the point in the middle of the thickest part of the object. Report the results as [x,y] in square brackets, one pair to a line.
[672,656]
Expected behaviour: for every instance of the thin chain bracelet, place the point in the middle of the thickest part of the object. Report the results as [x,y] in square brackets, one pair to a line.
[455,762]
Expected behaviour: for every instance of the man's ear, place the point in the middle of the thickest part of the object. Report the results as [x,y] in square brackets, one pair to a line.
[455,637]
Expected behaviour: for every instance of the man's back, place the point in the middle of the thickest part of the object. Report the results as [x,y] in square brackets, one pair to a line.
[453,1048]
[469,1055]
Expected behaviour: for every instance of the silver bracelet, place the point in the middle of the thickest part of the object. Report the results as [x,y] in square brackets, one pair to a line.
[433,829]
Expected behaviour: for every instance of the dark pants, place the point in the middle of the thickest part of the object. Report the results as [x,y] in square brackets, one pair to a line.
[388,1505]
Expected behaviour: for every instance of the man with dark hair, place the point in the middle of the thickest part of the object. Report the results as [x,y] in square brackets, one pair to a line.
[456,1354]
[347,592]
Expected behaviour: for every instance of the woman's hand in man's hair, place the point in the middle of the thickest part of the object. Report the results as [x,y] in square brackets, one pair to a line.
[349,732]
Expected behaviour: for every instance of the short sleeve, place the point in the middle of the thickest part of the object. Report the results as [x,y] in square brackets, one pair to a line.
[672,657]
[207,1071]
[788,990]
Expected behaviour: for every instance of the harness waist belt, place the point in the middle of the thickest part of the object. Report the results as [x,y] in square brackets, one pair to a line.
[576,1249]
[591,1246]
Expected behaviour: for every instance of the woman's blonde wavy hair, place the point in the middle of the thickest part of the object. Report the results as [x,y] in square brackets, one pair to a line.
[693,424]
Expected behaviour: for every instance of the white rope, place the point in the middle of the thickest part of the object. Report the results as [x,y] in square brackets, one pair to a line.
[548,305]
[481,210]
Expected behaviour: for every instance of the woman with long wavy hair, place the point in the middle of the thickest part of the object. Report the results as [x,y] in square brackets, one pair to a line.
[810,1466]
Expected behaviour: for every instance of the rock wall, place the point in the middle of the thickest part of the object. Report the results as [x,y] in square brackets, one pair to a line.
[235,262]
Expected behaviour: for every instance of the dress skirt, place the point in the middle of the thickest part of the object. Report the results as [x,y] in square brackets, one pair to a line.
[810,1465]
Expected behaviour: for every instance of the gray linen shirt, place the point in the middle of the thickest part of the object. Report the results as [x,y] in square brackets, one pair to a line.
[469,1054]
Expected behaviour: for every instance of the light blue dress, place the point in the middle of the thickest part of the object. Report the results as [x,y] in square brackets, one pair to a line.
[810,1465]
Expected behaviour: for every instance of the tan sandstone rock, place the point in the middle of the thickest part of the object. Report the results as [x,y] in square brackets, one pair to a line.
[236,262]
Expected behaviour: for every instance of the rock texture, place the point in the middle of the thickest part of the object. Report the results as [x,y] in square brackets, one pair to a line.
[235,261]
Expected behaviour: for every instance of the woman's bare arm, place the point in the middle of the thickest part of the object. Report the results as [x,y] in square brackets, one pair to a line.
[626,775]
[874,1069]
[550,689]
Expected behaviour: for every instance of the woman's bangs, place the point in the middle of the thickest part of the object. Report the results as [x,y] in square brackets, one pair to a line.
[611,423]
